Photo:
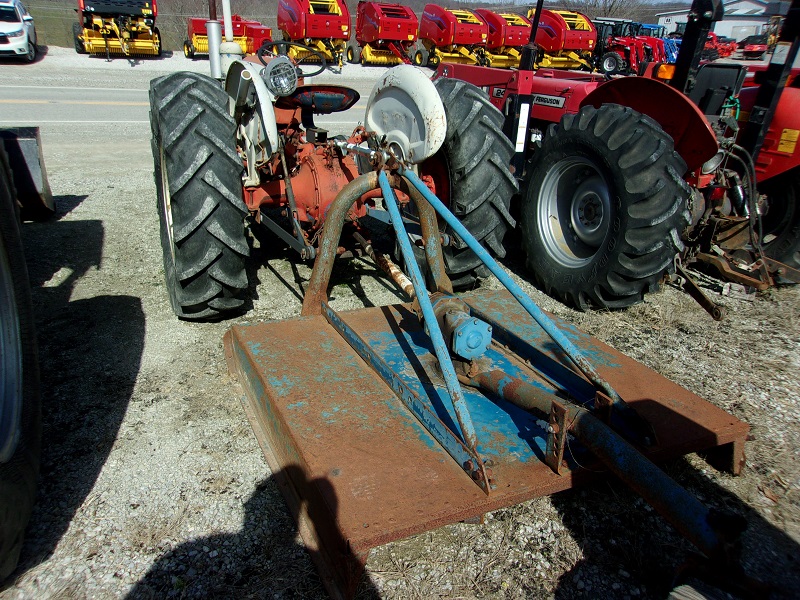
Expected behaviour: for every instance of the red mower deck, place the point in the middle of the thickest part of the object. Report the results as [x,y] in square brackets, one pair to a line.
[358,470]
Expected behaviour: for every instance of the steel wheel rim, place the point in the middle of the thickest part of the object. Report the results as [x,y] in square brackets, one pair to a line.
[11,364]
[574,211]
[609,64]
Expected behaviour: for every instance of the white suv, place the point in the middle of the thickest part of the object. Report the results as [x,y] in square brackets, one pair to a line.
[17,32]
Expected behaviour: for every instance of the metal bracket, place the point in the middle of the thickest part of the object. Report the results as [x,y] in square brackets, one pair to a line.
[288,238]
[690,286]
[557,437]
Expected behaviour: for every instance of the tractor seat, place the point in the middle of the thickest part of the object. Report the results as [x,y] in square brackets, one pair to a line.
[319,99]
[715,83]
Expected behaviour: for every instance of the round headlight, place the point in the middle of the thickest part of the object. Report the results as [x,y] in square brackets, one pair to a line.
[712,163]
[280,75]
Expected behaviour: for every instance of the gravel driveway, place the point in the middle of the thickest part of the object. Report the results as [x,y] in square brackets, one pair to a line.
[153,484]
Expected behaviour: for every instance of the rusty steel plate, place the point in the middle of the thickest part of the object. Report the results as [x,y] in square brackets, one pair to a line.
[357,468]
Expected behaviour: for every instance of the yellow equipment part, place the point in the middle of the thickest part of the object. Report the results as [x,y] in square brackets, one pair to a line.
[460,55]
[375,56]
[200,43]
[575,21]
[567,60]
[465,16]
[136,39]
[324,7]
[504,58]
[298,54]
[514,19]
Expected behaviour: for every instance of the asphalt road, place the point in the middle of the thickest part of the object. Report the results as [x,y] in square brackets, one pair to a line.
[45,105]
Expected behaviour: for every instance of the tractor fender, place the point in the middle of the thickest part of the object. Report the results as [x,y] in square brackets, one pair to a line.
[678,116]
[269,127]
[779,151]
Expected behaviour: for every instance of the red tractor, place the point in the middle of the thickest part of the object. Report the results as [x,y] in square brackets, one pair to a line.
[318,28]
[625,179]
[620,50]
[385,34]
[451,36]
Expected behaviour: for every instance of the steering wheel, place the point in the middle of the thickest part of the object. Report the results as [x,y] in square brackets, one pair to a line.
[281,47]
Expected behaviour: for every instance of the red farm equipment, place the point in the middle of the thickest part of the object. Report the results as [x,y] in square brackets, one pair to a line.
[318,28]
[620,50]
[451,36]
[566,40]
[738,189]
[250,35]
[507,33]
[117,27]
[385,34]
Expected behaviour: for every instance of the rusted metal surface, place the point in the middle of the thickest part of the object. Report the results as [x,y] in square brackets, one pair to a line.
[369,473]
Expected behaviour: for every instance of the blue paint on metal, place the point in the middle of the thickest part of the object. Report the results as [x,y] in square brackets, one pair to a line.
[439,345]
[409,396]
[538,315]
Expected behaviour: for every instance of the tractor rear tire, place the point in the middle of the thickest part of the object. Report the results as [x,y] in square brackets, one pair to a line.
[20,408]
[476,156]
[77,32]
[199,188]
[780,226]
[605,208]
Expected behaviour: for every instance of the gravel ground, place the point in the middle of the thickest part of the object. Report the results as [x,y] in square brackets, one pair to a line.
[152,482]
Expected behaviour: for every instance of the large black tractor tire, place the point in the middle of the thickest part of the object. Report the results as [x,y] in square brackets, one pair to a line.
[605,208]
[477,156]
[77,32]
[199,188]
[780,225]
[20,409]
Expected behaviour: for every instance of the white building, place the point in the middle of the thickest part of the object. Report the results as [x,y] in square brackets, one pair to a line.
[742,18]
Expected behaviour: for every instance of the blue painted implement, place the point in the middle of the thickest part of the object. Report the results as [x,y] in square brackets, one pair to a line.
[364,431]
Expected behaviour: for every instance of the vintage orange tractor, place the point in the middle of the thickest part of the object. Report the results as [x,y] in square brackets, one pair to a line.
[387,421]
[385,34]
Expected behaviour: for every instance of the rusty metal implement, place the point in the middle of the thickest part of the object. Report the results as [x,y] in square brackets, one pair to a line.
[385,422]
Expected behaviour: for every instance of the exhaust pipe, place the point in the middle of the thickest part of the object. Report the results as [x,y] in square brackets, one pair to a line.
[214,32]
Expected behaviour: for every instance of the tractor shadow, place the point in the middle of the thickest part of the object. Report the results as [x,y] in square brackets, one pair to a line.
[90,352]
[626,545]
[264,559]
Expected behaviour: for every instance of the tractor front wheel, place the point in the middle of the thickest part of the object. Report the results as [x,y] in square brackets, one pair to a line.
[77,32]
[611,63]
[605,208]
[199,188]
[472,175]
[780,223]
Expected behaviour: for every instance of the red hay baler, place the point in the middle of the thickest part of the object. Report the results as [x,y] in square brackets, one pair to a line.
[250,35]
[566,39]
[385,34]
[451,36]
[508,32]
[323,26]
